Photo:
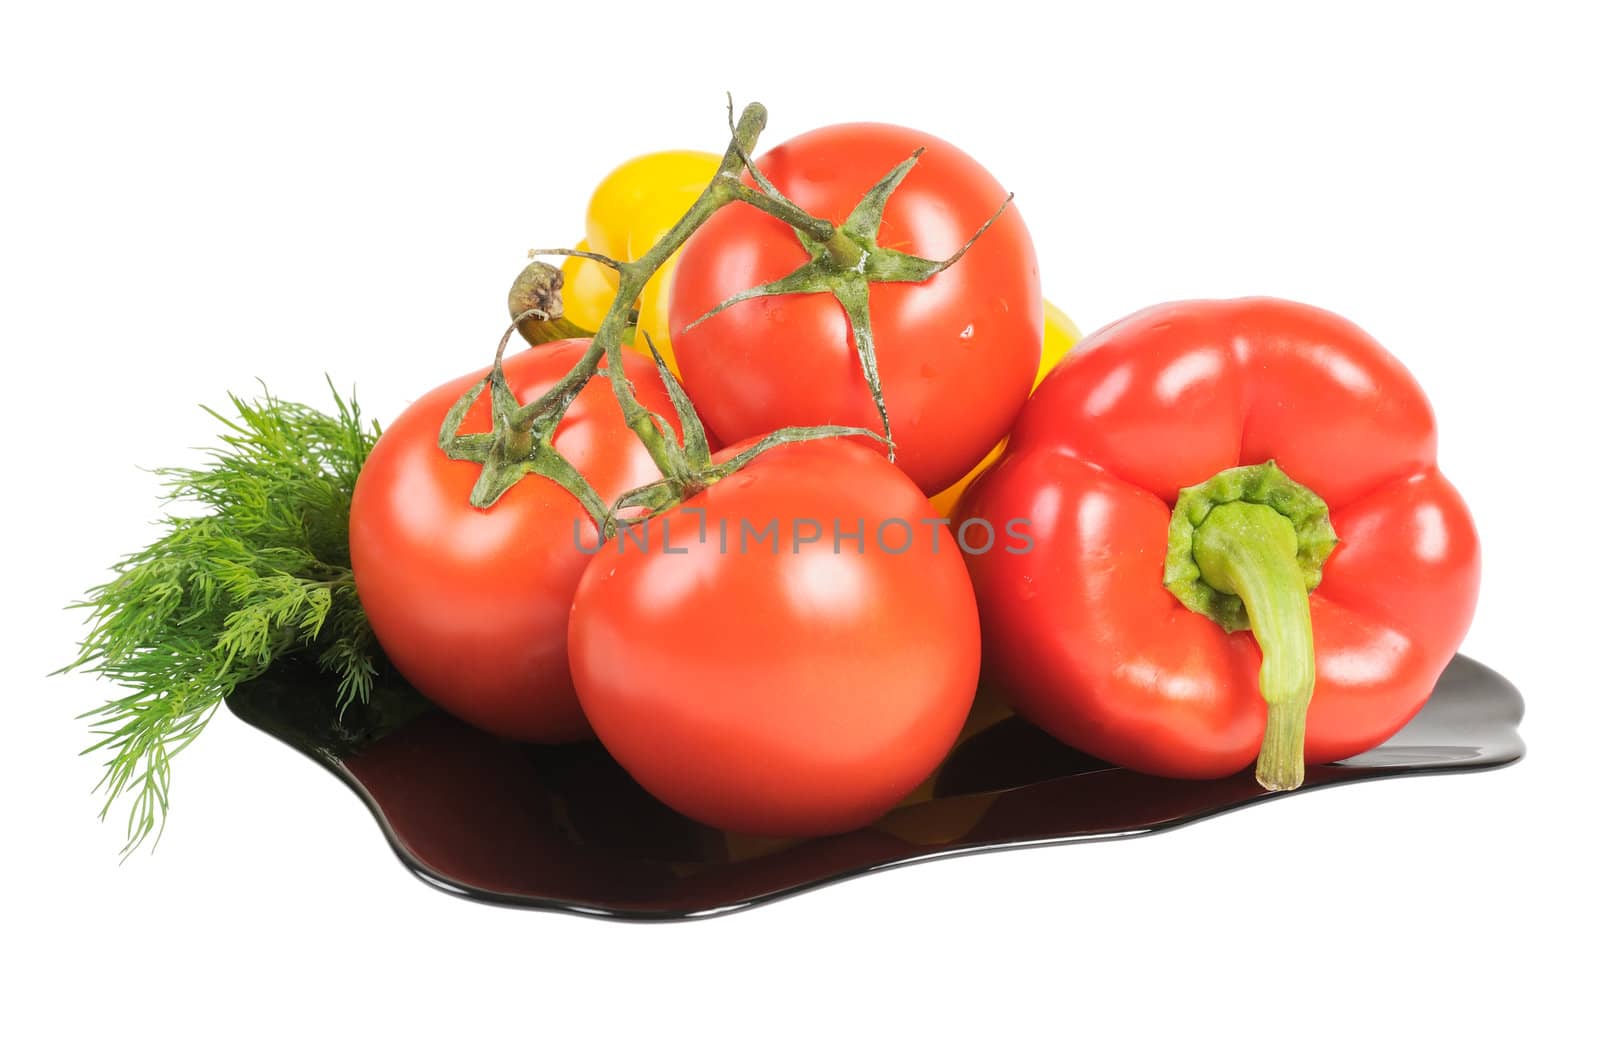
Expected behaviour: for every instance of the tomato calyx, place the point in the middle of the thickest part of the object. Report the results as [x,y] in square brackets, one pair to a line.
[1245,549]
[844,263]
[515,446]
[509,451]
[689,465]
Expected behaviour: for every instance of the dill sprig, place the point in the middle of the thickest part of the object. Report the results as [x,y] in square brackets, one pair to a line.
[258,570]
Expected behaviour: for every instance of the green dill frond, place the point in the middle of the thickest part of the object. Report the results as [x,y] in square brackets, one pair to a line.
[262,572]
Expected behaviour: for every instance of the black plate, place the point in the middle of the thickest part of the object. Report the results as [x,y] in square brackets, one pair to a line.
[565,828]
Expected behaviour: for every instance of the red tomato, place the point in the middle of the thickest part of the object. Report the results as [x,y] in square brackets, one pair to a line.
[776,686]
[956,354]
[471,604]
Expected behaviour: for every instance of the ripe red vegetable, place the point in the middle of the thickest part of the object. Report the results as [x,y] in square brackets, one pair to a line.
[1091,644]
[471,604]
[956,353]
[777,684]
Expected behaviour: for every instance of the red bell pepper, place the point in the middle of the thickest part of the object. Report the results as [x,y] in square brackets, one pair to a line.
[1242,547]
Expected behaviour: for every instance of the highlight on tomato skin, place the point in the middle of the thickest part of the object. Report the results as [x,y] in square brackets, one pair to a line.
[955,353]
[777,686]
[469,604]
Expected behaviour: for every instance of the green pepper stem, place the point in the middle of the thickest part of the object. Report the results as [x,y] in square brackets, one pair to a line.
[1250,550]
[536,307]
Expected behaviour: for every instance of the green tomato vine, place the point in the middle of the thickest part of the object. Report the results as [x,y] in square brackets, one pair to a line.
[844,261]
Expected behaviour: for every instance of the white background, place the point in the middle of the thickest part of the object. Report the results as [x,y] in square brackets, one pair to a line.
[197,196]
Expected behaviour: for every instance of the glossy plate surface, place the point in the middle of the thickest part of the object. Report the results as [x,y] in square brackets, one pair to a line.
[565,828]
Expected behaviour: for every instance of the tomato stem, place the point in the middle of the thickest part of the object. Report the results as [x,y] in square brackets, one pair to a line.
[520,440]
[1245,549]
[508,452]
[844,260]
[779,206]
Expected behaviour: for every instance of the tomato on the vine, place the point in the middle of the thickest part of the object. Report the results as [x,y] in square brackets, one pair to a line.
[955,353]
[631,209]
[760,673]
[471,604]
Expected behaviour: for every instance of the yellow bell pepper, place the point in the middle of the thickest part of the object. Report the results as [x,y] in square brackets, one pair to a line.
[630,210]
